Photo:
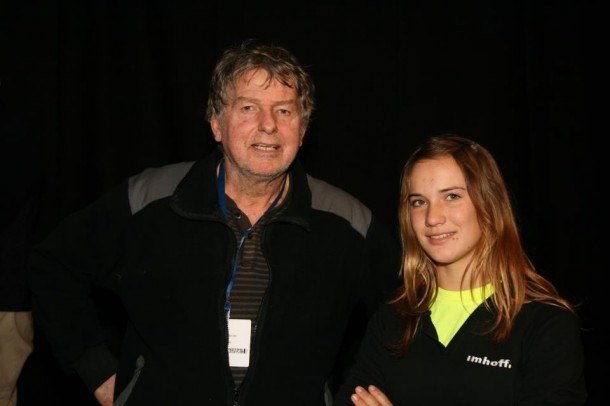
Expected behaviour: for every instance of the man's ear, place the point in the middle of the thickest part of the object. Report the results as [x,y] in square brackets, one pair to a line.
[303,131]
[215,125]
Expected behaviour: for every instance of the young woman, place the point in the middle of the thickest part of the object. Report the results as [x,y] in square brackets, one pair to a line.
[474,323]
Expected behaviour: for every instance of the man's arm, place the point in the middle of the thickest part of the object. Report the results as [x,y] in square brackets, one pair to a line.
[63,271]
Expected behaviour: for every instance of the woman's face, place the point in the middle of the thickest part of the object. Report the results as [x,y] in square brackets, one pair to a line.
[442,213]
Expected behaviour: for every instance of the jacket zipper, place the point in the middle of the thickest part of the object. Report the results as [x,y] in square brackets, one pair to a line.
[258,327]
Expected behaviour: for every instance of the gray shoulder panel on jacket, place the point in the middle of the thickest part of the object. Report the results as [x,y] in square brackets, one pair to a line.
[155,183]
[327,197]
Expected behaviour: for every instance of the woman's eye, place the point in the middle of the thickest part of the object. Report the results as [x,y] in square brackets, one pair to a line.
[453,196]
[417,203]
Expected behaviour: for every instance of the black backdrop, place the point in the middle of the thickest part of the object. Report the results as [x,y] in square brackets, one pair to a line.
[108,88]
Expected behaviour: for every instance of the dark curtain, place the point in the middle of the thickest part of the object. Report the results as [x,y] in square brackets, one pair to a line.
[109,88]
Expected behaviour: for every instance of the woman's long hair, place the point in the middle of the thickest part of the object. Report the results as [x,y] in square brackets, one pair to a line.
[499,257]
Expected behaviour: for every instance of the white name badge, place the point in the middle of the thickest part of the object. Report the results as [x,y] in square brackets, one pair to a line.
[239,342]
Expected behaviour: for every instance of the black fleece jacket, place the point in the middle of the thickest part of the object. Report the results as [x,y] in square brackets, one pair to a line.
[539,364]
[157,242]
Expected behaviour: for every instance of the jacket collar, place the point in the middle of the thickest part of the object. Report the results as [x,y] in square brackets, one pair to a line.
[196,196]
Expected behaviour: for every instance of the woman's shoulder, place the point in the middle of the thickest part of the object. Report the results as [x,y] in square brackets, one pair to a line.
[545,309]
[388,319]
[387,311]
[546,315]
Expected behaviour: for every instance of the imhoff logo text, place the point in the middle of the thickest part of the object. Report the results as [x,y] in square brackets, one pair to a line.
[501,363]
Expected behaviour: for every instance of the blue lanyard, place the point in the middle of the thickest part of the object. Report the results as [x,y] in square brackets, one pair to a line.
[222,200]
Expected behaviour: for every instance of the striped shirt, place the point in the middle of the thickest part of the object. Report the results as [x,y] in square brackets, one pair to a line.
[252,276]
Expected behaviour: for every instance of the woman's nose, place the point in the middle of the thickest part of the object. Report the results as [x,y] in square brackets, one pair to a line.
[435,215]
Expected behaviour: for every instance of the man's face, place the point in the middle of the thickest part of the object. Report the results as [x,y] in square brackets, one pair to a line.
[260,129]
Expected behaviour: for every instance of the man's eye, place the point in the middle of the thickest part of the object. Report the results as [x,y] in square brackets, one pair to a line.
[284,112]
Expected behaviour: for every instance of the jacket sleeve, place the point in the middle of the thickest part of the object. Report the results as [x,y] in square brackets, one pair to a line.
[383,256]
[66,270]
[554,364]
[377,285]
[369,361]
